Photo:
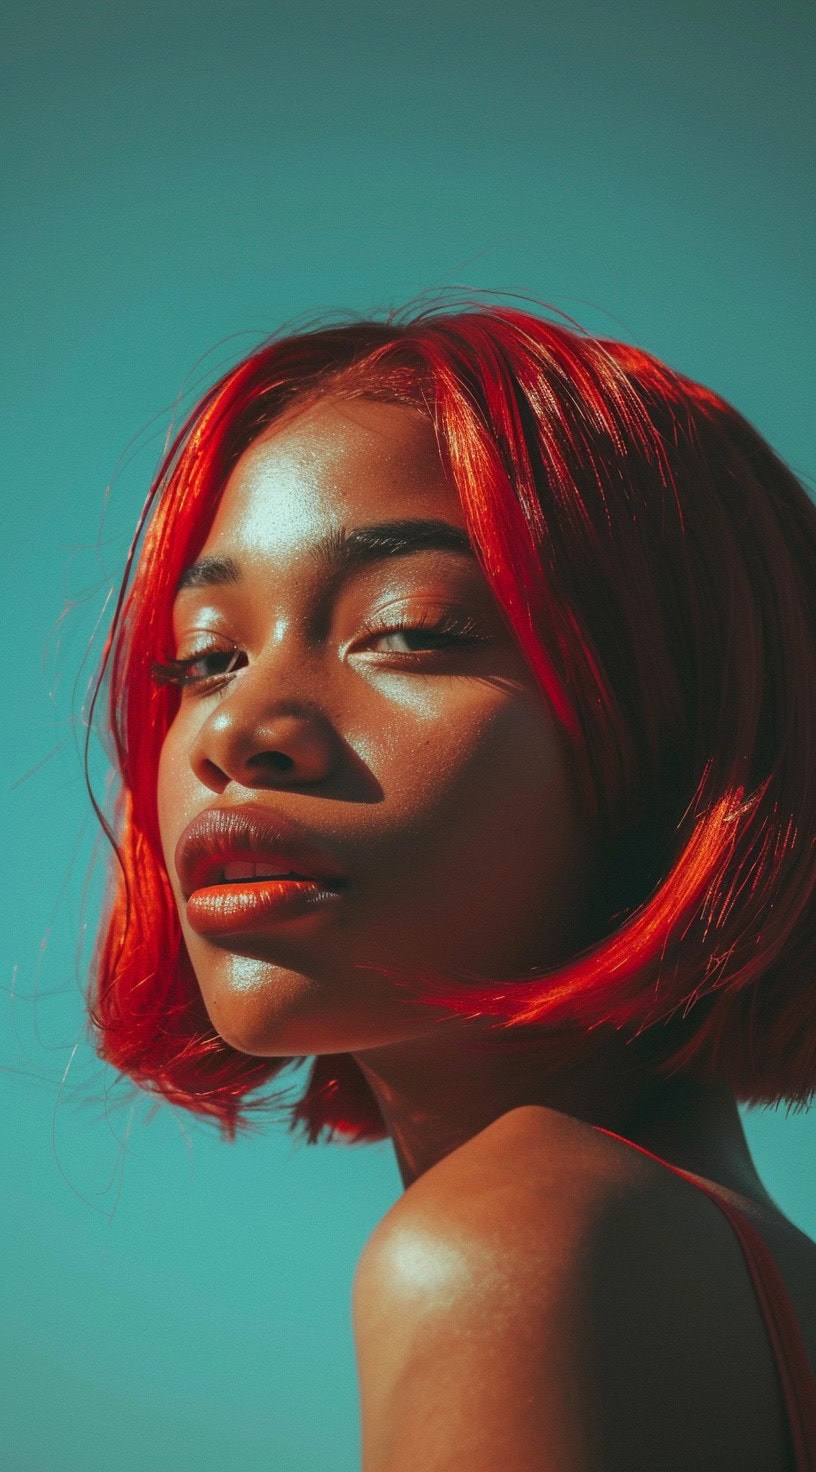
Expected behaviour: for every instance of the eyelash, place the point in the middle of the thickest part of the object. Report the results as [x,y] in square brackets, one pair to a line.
[456,627]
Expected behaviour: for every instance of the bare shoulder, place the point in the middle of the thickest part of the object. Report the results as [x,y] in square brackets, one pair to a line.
[535,1186]
[546,1290]
[518,1204]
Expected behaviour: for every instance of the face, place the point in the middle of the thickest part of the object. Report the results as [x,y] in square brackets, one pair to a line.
[422,761]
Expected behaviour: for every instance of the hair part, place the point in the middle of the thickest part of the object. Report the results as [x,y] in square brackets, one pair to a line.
[655,560]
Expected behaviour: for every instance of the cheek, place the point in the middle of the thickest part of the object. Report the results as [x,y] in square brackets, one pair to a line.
[172,783]
[497,845]
[498,768]
[517,854]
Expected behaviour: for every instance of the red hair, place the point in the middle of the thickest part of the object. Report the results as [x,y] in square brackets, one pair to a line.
[657,563]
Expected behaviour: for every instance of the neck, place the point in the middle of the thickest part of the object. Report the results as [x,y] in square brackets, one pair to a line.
[439,1091]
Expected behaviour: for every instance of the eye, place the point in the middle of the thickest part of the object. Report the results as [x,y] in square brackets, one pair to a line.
[203,669]
[439,632]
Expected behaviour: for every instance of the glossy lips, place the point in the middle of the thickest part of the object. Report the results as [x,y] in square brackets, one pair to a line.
[218,837]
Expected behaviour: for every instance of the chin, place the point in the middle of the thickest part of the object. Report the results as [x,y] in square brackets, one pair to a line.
[258,1009]
[269,1011]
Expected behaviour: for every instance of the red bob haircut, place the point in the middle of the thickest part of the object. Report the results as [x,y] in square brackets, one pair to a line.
[657,564]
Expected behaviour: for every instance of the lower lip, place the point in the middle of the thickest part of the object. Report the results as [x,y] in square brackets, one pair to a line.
[224,909]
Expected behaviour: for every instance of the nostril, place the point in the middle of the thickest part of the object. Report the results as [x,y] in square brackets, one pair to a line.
[213,775]
[278,760]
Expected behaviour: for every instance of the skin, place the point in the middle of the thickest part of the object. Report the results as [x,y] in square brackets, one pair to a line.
[441,789]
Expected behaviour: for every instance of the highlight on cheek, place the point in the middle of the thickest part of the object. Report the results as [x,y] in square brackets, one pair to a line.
[599,488]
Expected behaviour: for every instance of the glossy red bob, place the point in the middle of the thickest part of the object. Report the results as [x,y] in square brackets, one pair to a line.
[657,562]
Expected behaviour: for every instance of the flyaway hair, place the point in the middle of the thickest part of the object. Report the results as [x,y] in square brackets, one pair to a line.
[656,562]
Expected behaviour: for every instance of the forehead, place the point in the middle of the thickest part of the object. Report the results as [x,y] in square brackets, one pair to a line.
[336,463]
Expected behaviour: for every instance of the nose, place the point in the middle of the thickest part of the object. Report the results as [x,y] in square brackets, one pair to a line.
[259,736]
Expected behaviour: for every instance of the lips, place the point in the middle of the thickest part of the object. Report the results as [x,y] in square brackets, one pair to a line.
[248,845]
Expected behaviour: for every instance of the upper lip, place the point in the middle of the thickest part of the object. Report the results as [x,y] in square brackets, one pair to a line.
[220,835]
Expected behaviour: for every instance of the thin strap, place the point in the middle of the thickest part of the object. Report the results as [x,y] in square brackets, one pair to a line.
[796,1378]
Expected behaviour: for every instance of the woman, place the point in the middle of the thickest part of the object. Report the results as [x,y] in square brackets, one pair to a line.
[464,702]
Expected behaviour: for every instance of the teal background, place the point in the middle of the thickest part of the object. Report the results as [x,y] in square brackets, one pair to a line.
[183,181]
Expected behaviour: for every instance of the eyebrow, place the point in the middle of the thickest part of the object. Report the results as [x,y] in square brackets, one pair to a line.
[342,552]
